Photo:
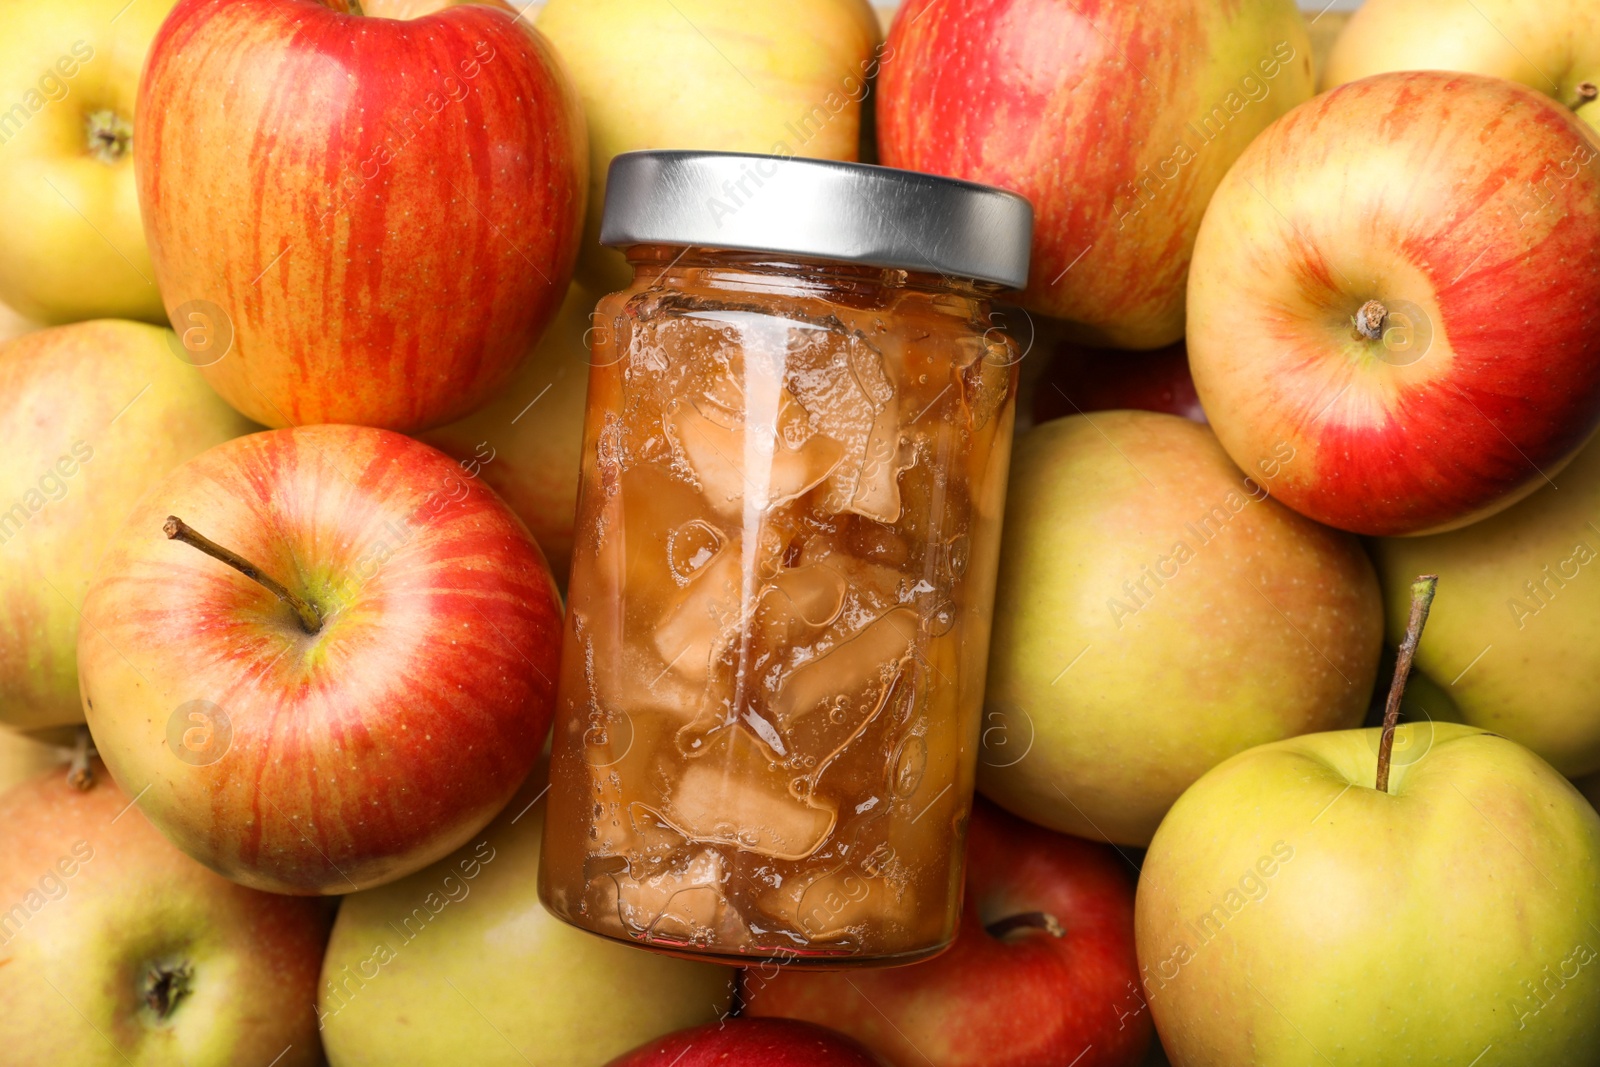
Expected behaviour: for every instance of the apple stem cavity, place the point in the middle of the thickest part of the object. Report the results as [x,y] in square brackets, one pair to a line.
[165,986]
[110,136]
[1369,320]
[1028,920]
[178,530]
[1422,591]
[80,772]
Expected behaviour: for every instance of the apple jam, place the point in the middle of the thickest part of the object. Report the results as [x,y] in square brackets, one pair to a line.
[779,608]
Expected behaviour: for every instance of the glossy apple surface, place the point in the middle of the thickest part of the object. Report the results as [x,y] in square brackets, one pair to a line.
[1290,914]
[91,415]
[1157,612]
[334,760]
[756,1042]
[1013,991]
[385,220]
[1407,198]
[459,962]
[1115,120]
[73,246]
[116,949]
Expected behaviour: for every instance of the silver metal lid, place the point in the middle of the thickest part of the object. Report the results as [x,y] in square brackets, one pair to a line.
[851,212]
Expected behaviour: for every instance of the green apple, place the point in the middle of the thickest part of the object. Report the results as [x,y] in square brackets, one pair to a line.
[460,963]
[1289,914]
[1515,637]
[769,76]
[527,442]
[1157,612]
[73,244]
[91,415]
[117,950]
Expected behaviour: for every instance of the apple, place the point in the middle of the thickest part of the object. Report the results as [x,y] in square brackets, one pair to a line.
[1083,379]
[73,247]
[1429,896]
[1375,284]
[25,756]
[768,76]
[361,708]
[460,963]
[527,442]
[1515,640]
[1158,611]
[1042,972]
[91,415]
[382,224]
[1117,121]
[751,1043]
[1551,46]
[117,949]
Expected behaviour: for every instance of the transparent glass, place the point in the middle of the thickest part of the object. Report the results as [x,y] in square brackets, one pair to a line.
[779,610]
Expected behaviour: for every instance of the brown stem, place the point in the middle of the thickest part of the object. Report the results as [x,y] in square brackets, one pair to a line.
[178,530]
[1587,91]
[1028,920]
[80,772]
[1369,320]
[1422,591]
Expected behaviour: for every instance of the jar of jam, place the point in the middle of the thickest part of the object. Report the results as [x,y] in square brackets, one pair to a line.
[799,423]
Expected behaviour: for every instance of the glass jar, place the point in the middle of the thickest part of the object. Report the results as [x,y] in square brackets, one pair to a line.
[795,461]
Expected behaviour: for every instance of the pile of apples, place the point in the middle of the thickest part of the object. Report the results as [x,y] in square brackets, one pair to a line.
[292,413]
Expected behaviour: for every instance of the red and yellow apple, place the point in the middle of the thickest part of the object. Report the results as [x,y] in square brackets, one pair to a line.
[750,1043]
[1379,283]
[362,726]
[383,213]
[1042,972]
[1116,120]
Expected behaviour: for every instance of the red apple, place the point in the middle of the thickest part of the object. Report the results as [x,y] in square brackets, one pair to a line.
[1042,972]
[1400,280]
[1117,120]
[1082,379]
[750,1043]
[116,948]
[380,214]
[356,731]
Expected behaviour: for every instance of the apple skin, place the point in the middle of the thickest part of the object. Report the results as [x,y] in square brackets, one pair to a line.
[362,752]
[1516,39]
[1055,101]
[1513,633]
[1414,190]
[1026,1000]
[752,1042]
[74,978]
[768,76]
[25,756]
[363,282]
[73,245]
[1360,928]
[1105,700]
[1084,379]
[396,989]
[116,393]
[527,442]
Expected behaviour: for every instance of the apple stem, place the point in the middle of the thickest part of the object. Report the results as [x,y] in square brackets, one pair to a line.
[1028,920]
[80,772]
[178,530]
[1422,591]
[109,135]
[1587,91]
[1369,320]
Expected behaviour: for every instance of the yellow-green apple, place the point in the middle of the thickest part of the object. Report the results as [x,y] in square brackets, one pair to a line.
[1289,913]
[766,76]
[320,657]
[527,442]
[1375,284]
[751,1043]
[24,756]
[117,950]
[460,963]
[383,223]
[1116,120]
[1042,972]
[1514,639]
[1158,611]
[91,415]
[1552,46]
[73,247]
